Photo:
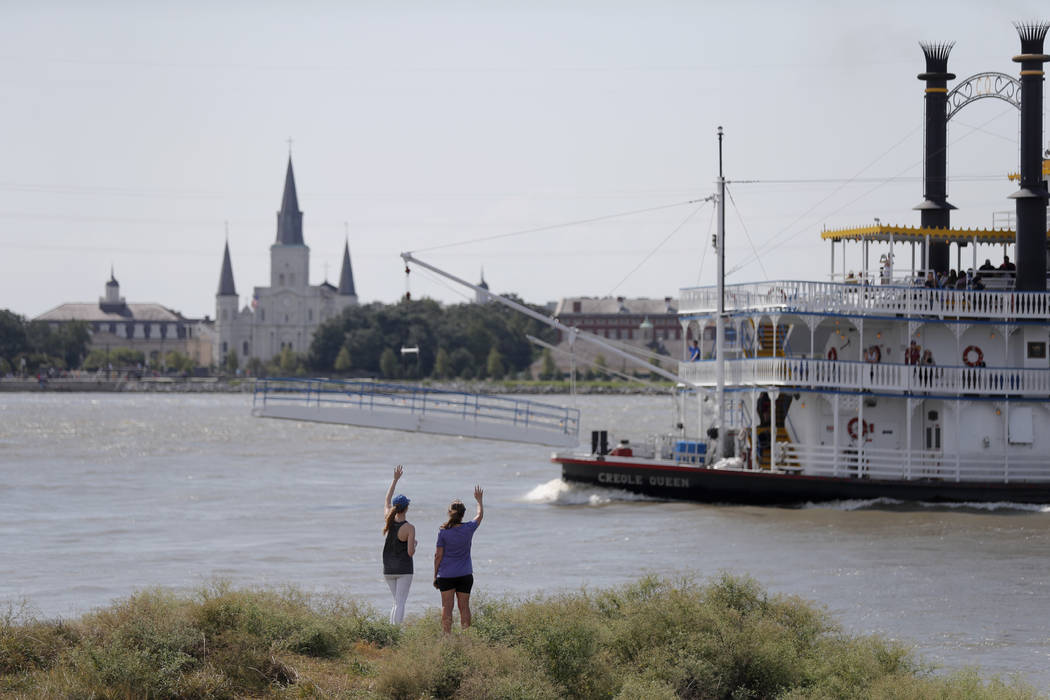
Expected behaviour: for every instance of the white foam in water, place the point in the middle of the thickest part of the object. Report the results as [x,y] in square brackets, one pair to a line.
[861,503]
[562,493]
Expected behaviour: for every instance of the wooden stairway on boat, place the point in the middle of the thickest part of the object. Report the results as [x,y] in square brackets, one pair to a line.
[763,345]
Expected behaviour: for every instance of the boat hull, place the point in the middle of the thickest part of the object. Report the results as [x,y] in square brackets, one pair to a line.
[707,485]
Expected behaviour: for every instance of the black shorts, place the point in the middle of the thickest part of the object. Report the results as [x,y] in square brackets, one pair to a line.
[460,584]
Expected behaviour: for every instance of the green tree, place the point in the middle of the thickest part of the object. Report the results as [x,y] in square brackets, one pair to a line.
[178,362]
[342,360]
[388,365]
[600,363]
[494,364]
[549,370]
[288,362]
[460,361]
[231,361]
[12,334]
[442,366]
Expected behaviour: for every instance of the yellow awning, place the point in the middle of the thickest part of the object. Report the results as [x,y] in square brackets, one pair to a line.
[902,234]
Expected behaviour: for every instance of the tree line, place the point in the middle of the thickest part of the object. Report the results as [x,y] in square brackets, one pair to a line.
[34,345]
[468,341]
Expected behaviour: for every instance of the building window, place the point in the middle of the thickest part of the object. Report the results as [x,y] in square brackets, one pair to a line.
[262,314]
[245,349]
[618,334]
[677,333]
[130,328]
[630,334]
[146,329]
[280,279]
[576,306]
[163,330]
[224,347]
[113,328]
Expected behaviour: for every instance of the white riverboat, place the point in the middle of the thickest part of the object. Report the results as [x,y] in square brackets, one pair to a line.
[875,386]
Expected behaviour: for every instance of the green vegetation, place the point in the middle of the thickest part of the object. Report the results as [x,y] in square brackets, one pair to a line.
[653,639]
[464,341]
[39,345]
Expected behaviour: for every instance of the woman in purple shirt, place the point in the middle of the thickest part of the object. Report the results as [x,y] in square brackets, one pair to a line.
[453,570]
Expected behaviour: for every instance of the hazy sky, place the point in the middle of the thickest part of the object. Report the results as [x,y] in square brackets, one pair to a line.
[131,131]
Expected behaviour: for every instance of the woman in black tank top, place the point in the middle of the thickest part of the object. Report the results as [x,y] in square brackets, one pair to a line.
[398,549]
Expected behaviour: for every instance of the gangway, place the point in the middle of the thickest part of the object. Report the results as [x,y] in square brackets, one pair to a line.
[415,408]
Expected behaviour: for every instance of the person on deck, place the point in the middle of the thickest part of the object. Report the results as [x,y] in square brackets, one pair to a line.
[453,569]
[398,549]
[987,266]
[1007,268]
[694,351]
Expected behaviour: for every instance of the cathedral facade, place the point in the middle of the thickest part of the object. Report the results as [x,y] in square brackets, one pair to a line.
[286,313]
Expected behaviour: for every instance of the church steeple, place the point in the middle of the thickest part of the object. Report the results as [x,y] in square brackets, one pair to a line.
[226,287]
[346,275]
[289,218]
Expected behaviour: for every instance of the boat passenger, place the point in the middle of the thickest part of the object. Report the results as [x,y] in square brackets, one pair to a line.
[931,280]
[398,549]
[1007,268]
[453,569]
[987,266]
[694,351]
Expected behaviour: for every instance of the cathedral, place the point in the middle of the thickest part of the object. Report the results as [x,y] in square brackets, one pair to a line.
[285,314]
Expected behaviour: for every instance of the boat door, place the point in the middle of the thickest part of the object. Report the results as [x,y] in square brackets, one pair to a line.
[932,436]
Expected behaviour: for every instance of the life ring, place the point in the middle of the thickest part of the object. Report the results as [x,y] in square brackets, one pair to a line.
[979,361]
[833,354]
[851,427]
[873,354]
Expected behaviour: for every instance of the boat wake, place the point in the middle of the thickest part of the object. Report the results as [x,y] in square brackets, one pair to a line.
[893,504]
[562,493]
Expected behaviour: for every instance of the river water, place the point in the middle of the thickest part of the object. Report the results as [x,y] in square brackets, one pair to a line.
[103,495]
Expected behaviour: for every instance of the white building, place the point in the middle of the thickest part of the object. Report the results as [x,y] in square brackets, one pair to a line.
[286,313]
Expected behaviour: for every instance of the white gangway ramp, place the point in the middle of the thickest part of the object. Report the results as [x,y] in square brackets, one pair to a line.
[418,409]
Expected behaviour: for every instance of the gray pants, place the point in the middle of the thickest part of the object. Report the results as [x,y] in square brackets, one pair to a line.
[399,585]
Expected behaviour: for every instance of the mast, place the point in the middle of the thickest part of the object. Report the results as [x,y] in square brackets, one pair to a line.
[720,319]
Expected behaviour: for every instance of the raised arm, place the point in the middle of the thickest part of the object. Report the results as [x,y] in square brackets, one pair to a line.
[478,494]
[398,471]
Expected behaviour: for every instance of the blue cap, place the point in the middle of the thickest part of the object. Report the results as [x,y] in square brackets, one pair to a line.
[400,501]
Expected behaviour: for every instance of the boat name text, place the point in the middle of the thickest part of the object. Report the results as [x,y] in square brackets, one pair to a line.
[639,480]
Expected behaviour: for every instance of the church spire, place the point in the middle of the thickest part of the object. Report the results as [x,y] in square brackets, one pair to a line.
[226,287]
[289,219]
[346,275]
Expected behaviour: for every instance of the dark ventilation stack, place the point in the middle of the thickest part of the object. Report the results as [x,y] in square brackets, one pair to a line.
[1030,249]
[935,209]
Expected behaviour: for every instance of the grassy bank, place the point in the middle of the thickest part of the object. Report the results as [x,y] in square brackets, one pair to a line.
[652,639]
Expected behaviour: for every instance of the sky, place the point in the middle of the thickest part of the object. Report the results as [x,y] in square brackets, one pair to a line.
[561,147]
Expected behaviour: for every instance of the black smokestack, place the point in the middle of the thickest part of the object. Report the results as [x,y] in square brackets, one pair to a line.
[1030,249]
[935,209]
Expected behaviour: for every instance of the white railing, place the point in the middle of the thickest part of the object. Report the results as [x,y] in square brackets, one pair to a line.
[865,300]
[867,376]
[883,463]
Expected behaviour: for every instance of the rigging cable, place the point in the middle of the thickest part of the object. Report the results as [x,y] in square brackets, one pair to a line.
[747,234]
[551,227]
[774,243]
[659,245]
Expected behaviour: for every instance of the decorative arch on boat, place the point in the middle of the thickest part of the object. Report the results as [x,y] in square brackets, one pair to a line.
[984,85]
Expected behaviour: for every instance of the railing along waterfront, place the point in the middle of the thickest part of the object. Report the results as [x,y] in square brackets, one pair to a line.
[366,395]
[866,300]
[885,463]
[869,376]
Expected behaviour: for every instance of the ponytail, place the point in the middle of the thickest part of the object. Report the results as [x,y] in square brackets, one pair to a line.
[391,514]
[455,514]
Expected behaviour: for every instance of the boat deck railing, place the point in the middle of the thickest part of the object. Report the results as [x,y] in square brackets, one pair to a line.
[869,376]
[886,463]
[786,296]
[437,410]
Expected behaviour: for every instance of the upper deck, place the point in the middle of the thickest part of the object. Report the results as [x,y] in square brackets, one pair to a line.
[889,300]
